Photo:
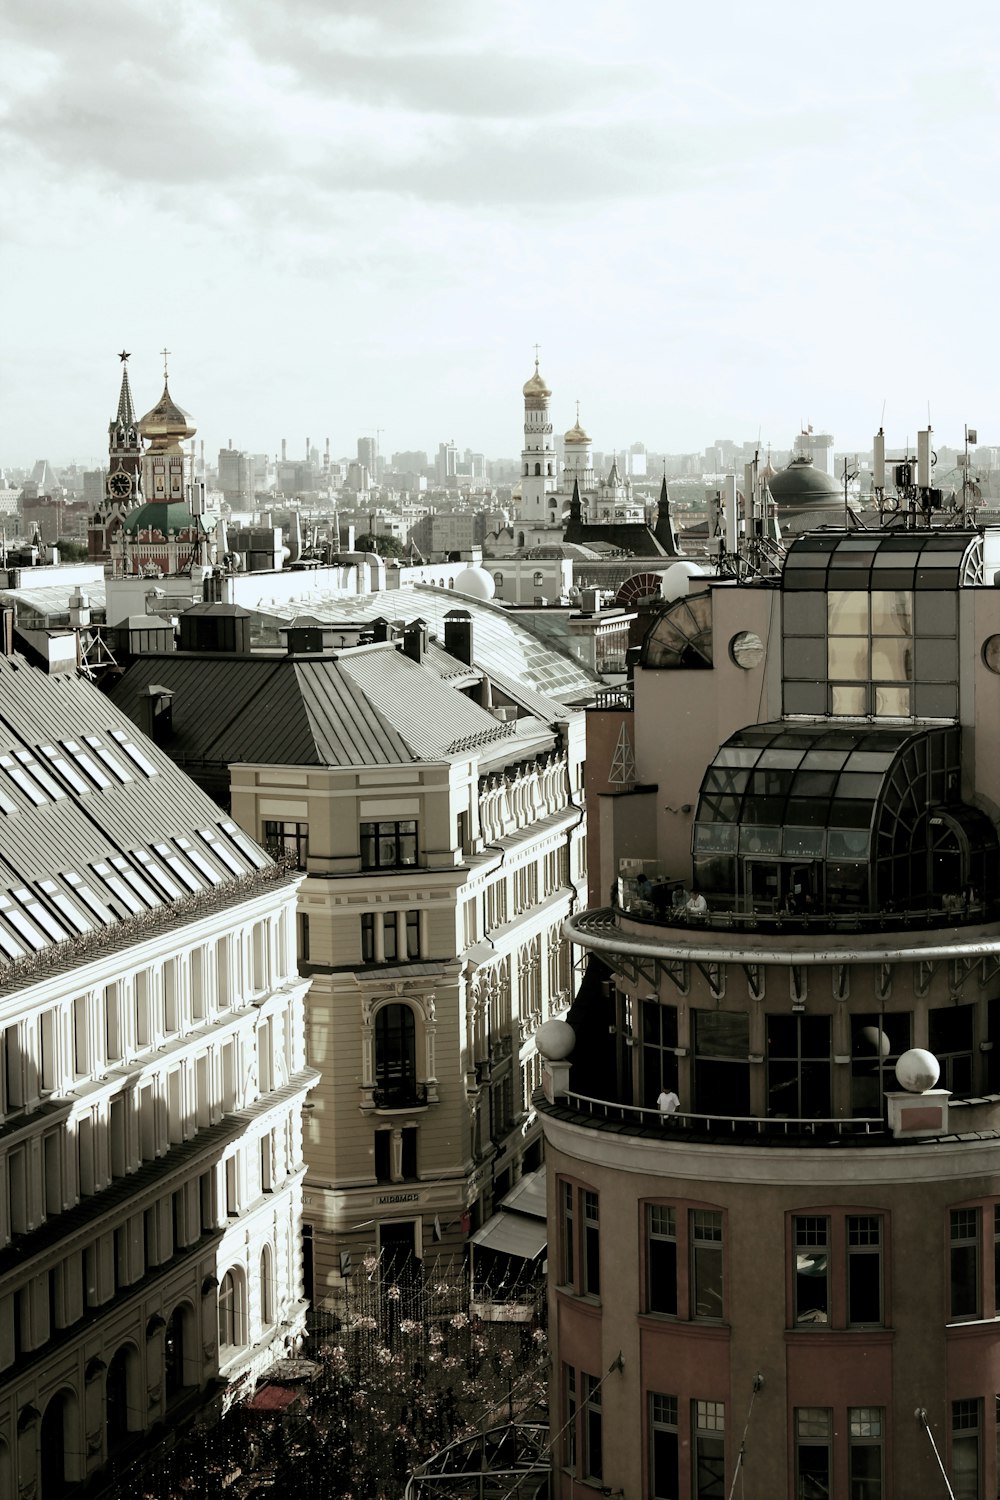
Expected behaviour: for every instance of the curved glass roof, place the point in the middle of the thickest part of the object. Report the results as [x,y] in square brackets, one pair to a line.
[864,560]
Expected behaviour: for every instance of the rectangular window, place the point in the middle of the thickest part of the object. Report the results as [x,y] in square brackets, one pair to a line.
[661,1259]
[659,1050]
[813,1438]
[388,845]
[569,1418]
[664,1471]
[864,1270]
[413,934]
[302,923]
[706,1264]
[390,944]
[811,1244]
[368,937]
[568,1258]
[593,1457]
[288,839]
[709,1450]
[591,1246]
[865,1426]
[964,1225]
[383,1156]
[966,1456]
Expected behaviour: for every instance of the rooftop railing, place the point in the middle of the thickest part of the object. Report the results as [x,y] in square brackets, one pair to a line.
[658,911]
[689,1122]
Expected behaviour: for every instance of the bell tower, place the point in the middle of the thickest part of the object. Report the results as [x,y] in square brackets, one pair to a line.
[538,457]
[123,485]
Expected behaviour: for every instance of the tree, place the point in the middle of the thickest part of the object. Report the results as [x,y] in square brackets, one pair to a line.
[385,546]
[71,551]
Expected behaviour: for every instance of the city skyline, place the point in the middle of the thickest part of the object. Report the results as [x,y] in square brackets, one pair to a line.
[365,216]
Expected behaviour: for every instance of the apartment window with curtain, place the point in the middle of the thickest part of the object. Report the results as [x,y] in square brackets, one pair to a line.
[811,1240]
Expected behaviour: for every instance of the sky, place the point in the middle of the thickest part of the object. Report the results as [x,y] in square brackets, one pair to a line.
[345,216]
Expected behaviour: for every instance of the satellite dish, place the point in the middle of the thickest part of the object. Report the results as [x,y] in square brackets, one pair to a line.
[876,1039]
[918,1070]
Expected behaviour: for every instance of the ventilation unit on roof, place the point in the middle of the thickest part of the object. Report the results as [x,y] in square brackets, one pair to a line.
[505,712]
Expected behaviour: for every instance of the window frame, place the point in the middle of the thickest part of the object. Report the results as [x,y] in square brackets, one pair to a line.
[373,832]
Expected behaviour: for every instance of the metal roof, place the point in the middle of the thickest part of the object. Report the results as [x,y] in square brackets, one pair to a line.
[97,825]
[364,706]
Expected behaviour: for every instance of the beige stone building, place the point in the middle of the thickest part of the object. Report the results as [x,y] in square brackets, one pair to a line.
[435,805]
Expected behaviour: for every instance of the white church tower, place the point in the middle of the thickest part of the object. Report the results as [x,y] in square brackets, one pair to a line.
[539,480]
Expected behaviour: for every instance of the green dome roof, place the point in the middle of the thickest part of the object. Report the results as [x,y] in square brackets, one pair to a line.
[161,517]
[802,483]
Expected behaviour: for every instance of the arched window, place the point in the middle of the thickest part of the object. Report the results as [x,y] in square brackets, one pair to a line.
[395,1056]
[116,1399]
[231,1319]
[498,580]
[539,579]
[266,1287]
[174,1351]
[549,469]
[57,1441]
[538,470]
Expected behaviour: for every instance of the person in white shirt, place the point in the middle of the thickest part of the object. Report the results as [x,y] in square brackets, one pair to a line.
[667,1102]
[697,906]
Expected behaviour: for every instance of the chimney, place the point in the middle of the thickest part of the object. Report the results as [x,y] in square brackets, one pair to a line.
[458,635]
[156,712]
[415,639]
[6,632]
[283,450]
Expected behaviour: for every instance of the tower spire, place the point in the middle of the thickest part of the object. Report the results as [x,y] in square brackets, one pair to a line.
[126,411]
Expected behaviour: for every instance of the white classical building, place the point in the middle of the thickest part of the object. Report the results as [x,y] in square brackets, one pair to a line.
[152,1077]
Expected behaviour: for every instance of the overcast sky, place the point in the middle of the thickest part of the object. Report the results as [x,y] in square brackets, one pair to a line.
[717,219]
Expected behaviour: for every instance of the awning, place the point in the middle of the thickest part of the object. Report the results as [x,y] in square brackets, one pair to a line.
[527,1195]
[513,1234]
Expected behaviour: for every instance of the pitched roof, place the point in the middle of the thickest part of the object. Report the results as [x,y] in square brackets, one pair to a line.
[97,825]
[365,706]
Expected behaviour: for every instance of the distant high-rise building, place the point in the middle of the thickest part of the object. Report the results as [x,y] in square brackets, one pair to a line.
[815,445]
[447,462]
[236,477]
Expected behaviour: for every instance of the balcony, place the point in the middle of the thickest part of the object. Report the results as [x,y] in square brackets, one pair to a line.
[400,1096]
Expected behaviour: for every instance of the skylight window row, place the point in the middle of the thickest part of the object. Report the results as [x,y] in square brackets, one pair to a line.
[133,752]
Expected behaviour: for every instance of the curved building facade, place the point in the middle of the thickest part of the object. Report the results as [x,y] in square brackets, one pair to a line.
[774,1267]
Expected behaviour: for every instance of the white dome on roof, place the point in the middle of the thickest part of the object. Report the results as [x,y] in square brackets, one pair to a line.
[475,582]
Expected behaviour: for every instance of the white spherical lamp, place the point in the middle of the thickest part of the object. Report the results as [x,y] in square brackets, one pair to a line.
[918,1070]
[555,1040]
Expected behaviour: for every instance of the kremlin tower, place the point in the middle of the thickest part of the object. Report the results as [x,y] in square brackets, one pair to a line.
[123,485]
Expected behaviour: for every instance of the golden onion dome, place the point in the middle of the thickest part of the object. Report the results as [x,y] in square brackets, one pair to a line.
[166,422]
[535,385]
[576,434]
